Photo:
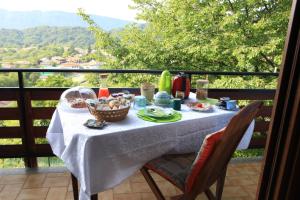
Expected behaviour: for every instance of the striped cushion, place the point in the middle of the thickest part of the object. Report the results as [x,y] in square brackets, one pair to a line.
[174,168]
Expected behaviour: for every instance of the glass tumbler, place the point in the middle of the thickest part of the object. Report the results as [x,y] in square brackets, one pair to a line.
[201,89]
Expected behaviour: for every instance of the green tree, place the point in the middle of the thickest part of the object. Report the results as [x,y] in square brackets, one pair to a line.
[225,35]
[55,81]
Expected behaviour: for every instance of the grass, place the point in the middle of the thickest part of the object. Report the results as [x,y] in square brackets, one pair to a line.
[248,153]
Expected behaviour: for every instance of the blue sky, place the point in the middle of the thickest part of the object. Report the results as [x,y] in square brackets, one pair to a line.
[111,8]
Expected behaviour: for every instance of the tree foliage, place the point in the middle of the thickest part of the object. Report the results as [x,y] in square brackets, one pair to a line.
[45,35]
[224,35]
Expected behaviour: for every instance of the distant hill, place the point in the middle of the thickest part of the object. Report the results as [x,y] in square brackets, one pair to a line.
[29,19]
[45,35]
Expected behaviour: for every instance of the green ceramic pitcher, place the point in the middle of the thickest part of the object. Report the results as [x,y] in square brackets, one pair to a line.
[165,82]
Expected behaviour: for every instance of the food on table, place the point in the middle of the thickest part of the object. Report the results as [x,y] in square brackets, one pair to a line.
[201,89]
[74,98]
[109,109]
[181,83]
[78,103]
[201,107]
[158,112]
[124,94]
[110,103]
[165,82]
[129,97]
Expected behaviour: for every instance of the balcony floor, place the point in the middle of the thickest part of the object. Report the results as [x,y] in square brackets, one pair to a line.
[241,183]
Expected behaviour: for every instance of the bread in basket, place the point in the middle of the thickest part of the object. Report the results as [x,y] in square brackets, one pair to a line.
[109,109]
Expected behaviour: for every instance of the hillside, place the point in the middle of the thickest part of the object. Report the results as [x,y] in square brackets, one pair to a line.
[29,19]
[45,35]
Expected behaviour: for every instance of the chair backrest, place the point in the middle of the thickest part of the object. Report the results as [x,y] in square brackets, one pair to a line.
[225,148]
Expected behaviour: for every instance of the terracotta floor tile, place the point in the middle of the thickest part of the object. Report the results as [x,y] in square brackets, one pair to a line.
[35,181]
[10,192]
[33,194]
[201,197]
[70,187]
[240,184]
[148,196]
[157,177]
[64,174]
[56,182]
[129,196]
[124,187]
[239,181]
[137,178]
[106,195]
[12,179]
[254,178]
[237,198]
[140,187]
[69,196]
[251,189]
[234,191]
[167,188]
[57,193]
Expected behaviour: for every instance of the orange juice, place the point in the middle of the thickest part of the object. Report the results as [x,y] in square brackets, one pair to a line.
[103,92]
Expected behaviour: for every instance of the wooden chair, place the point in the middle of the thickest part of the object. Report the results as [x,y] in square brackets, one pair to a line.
[213,170]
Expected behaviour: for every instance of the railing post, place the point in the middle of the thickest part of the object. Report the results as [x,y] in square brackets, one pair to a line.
[27,140]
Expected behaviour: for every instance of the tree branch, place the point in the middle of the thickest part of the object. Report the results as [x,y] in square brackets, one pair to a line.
[268,60]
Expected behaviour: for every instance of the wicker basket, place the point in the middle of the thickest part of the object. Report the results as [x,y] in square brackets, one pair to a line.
[109,115]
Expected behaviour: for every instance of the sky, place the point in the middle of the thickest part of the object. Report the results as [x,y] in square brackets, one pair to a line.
[110,8]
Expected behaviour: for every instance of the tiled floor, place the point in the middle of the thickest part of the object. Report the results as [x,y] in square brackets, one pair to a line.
[241,183]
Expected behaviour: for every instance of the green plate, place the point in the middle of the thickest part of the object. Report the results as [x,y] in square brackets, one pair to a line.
[158,112]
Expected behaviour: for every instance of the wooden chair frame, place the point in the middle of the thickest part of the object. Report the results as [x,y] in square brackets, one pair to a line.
[215,168]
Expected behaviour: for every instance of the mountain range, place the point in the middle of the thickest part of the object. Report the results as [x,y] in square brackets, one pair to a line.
[29,19]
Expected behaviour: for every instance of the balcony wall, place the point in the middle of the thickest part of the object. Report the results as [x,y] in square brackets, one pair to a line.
[26,113]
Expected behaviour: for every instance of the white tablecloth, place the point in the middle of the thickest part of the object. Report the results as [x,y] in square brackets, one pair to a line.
[101,159]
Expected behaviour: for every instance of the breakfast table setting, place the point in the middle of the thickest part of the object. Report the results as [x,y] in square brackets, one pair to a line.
[105,139]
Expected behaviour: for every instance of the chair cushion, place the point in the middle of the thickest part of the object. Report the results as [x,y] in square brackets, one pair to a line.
[205,152]
[174,168]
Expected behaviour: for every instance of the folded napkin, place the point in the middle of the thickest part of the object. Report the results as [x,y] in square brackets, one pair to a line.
[173,118]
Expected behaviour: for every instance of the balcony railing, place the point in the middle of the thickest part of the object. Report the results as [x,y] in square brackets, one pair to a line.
[26,113]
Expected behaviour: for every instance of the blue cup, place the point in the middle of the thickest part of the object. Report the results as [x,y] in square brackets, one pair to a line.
[139,102]
[231,105]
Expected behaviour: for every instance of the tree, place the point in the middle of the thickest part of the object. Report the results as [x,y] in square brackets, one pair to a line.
[224,35]
[55,81]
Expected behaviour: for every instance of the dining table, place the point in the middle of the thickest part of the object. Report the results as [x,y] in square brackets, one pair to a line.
[101,159]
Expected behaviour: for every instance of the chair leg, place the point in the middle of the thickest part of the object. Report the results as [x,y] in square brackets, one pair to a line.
[75,187]
[152,184]
[220,185]
[94,197]
[209,194]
